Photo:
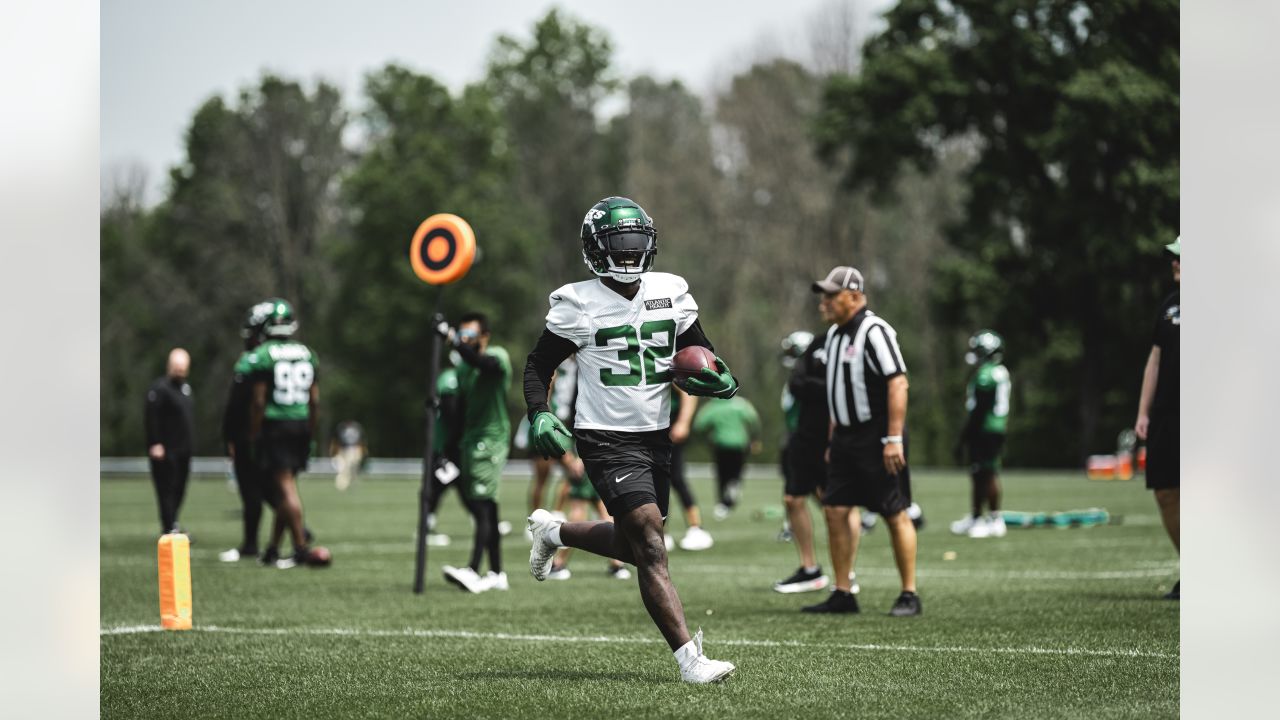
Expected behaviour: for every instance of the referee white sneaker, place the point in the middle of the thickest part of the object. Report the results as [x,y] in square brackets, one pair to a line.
[698,668]
[541,523]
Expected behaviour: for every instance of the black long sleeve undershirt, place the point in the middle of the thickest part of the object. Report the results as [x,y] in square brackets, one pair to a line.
[484,362]
[552,350]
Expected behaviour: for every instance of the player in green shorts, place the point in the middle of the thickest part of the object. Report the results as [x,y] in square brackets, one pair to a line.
[483,378]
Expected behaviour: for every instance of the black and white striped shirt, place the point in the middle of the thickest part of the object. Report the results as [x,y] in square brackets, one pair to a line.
[862,355]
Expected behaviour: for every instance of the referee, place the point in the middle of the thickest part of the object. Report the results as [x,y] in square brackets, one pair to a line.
[867,403]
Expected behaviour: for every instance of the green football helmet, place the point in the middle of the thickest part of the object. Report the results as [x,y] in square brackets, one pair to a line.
[618,239]
[273,318]
[985,345]
[795,345]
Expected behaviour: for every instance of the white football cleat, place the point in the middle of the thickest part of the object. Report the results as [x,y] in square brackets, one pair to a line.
[619,573]
[232,555]
[695,538]
[495,581]
[698,668]
[559,574]
[438,540]
[504,528]
[961,526]
[721,511]
[543,551]
[465,578]
[996,523]
[981,528]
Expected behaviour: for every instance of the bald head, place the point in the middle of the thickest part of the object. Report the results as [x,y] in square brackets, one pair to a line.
[179,364]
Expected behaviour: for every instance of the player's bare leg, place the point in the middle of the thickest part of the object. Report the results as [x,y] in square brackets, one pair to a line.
[1167,500]
[637,537]
[537,490]
[288,511]
[902,535]
[801,528]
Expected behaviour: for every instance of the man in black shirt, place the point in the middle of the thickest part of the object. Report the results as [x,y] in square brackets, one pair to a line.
[169,428]
[1158,407]
[867,459]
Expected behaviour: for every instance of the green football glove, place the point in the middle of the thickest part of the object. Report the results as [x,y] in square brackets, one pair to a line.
[550,437]
[713,384]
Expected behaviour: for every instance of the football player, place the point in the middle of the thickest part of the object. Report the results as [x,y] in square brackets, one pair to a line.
[732,427]
[235,435]
[282,420]
[625,325]
[987,404]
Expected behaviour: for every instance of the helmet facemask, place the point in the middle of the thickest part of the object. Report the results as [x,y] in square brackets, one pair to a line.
[618,240]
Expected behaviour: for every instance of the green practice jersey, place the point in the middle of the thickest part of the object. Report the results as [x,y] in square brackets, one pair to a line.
[484,396]
[988,394]
[289,369]
[730,424]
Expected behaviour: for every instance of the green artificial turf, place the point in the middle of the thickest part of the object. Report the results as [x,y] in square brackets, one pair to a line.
[1043,623]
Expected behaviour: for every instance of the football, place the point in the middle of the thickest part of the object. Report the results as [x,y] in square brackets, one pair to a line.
[690,361]
[320,557]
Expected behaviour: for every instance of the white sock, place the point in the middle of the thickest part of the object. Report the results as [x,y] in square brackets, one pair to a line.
[686,654]
[554,535]
[811,569]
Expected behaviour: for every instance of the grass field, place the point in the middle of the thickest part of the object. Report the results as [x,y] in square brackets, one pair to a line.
[1044,623]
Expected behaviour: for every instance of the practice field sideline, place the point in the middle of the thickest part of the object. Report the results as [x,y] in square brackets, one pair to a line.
[1044,623]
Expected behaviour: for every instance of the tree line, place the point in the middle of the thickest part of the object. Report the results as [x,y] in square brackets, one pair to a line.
[1009,164]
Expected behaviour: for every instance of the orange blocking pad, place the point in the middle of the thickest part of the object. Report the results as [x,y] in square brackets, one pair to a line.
[174,554]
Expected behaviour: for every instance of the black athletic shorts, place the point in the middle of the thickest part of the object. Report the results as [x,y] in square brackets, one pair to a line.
[285,445]
[1163,470]
[985,449]
[806,470]
[628,469]
[856,475]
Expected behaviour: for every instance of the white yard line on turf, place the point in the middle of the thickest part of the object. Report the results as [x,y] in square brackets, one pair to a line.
[469,635]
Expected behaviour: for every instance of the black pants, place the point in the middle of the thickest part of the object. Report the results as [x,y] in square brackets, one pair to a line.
[170,479]
[485,513]
[256,488]
[729,464]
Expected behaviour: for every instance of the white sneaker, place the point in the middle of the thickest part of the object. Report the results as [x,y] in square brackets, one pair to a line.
[698,668]
[438,540]
[619,573]
[495,581]
[996,523]
[504,528]
[543,551]
[232,555]
[981,528]
[669,541]
[559,574]
[695,538]
[961,526]
[721,511]
[465,578]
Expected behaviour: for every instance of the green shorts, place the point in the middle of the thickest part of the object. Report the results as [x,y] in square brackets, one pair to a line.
[482,464]
[583,489]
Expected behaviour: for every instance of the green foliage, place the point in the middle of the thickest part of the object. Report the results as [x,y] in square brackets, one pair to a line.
[1071,110]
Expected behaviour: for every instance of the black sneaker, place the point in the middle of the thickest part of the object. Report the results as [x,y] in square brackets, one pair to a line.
[269,556]
[801,581]
[1174,593]
[838,602]
[907,605]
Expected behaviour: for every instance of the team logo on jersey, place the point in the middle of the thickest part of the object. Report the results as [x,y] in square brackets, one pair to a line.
[659,304]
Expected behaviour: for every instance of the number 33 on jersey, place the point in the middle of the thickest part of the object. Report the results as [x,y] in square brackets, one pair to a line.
[289,369]
[624,348]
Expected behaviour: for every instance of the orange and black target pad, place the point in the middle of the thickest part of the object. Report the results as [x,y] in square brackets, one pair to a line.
[442,250]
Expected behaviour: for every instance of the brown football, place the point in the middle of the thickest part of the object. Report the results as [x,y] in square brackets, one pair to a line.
[690,361]
[320,557]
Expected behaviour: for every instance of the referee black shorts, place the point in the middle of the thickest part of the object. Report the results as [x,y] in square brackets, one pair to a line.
[285,445]
[806,466]
[1163,470]
[857,476]
[628,469]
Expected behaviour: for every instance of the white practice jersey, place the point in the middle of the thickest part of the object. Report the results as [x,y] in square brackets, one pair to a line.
[624,348]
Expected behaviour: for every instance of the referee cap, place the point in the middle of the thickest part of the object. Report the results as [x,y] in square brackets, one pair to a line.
[1175,247]
[841,277]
